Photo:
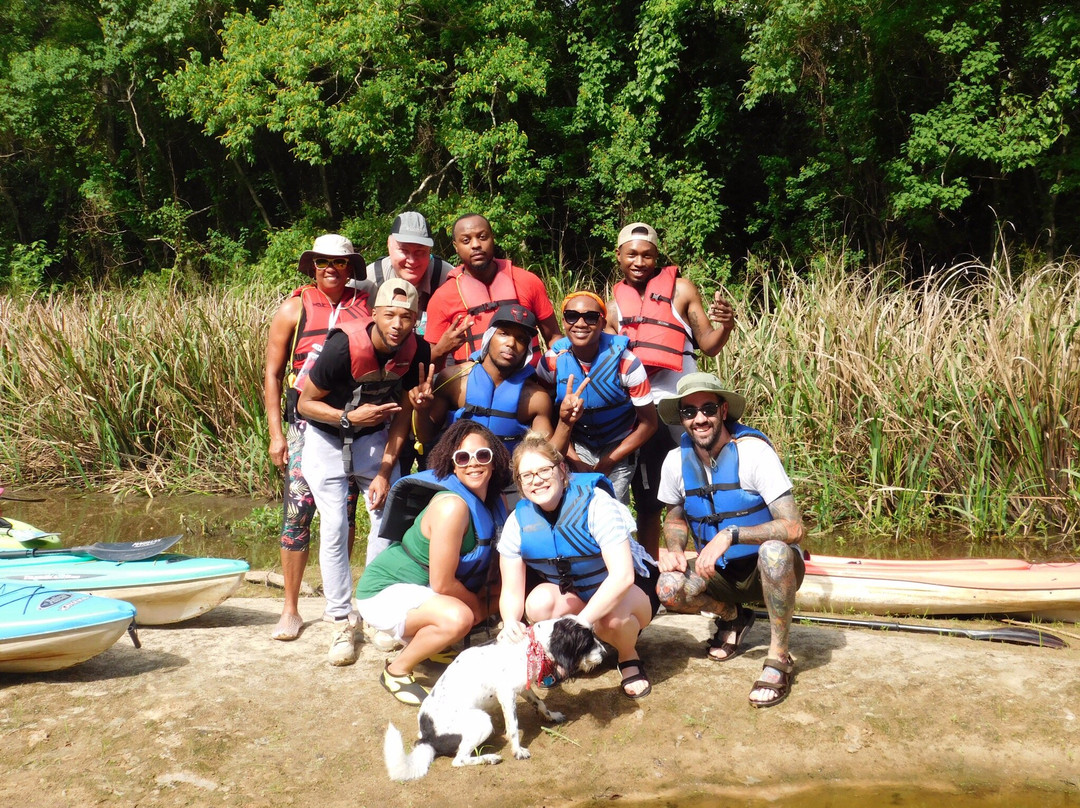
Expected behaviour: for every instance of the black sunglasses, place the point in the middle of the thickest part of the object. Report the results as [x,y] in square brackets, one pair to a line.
[689,412]
[590,317]
[566,583]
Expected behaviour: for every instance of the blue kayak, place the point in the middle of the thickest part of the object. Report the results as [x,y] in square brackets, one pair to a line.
[168,588]
[45,629]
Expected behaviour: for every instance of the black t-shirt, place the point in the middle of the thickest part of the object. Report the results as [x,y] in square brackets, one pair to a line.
[332,371]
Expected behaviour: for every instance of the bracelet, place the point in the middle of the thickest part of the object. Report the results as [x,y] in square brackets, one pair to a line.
[734,530]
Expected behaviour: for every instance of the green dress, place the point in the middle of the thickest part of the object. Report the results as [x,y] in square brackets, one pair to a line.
[394,566]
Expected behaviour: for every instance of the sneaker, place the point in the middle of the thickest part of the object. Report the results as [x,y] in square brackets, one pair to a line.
[381,640]
[343,646]
[403,688]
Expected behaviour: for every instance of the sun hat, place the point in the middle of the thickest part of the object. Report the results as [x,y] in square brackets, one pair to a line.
[515,314]
[699,383]
[638,230]
[394,288]
[331,245]
[411,227]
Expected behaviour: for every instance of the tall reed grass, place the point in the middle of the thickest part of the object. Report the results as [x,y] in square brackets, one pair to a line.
[896,407]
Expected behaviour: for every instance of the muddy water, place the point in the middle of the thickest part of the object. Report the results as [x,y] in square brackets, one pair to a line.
[87,518]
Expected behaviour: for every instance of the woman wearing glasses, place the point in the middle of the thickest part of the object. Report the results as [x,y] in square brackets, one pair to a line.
[427,588]
[610,412]
[571,538]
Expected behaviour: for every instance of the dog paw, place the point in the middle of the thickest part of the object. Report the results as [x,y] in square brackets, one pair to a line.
[521,753]
[558,718]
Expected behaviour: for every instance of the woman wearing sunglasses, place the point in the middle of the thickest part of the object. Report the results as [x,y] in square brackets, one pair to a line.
[610,413]
[427,588]
[572,539]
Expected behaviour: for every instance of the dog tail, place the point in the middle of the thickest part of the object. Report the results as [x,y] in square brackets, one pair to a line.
[403,767]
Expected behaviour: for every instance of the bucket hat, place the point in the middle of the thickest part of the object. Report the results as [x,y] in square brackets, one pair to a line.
[699,383]
[331,245]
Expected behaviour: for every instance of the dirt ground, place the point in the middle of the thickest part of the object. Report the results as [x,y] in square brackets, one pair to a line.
[214,712]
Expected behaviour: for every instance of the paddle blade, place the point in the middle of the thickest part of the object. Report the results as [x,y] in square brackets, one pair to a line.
[126,550]
[1019,636]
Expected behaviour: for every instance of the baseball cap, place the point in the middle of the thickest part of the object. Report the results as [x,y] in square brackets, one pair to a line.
[638,230]
[331,245]
[515,314]
[411,227]
[395,288]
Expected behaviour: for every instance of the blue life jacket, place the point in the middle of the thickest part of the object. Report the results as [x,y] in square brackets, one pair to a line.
[609,415]
[410,495]
[565,553]
[711,507]
[496,407]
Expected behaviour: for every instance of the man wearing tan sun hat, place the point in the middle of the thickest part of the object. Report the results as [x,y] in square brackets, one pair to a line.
[726,488]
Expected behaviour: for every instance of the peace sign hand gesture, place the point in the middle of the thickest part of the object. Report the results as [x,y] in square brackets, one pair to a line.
[573,405]
[422,395]
[453,337]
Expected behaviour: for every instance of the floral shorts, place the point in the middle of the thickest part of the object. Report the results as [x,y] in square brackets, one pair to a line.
[299,503]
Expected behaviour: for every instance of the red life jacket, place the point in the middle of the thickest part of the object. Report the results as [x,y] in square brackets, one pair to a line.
[376,384]
[480,302]
[313,324]
[656,336]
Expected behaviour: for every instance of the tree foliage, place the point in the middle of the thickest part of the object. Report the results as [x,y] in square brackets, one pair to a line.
[186,134]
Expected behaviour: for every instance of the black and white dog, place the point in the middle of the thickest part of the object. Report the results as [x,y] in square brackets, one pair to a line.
[452,718]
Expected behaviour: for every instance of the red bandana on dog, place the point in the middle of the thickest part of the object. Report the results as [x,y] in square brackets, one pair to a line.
[536,660]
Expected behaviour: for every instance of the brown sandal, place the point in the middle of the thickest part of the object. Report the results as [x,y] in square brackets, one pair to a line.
[782,688]
[740,625]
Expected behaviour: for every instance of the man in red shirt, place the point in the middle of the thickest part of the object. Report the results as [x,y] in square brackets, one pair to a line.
[478,286]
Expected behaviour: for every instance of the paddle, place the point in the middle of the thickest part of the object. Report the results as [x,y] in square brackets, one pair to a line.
[1015,636]
[105,551]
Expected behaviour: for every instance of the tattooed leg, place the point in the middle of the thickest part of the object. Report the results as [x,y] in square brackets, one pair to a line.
[776,561]
[685,593]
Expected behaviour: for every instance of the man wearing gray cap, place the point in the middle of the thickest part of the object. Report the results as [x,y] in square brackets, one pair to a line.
[358,411]
[726,488]
[409,257]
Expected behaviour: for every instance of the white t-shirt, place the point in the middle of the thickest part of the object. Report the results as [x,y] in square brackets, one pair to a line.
[760,472]
[609,522]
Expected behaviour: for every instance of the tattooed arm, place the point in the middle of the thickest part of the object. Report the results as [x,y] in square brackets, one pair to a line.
[786,524]
[676,535]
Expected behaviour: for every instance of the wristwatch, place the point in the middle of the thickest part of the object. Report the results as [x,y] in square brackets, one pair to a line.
[734,530]
[344,420]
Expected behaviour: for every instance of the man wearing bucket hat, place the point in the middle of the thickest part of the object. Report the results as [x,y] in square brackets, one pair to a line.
[356,403]
[726,488]
[297,333]
[663,316]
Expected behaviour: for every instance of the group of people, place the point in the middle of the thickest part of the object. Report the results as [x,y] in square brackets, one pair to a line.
[526,458]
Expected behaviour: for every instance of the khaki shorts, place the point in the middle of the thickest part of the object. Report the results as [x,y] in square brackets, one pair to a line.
[740,580]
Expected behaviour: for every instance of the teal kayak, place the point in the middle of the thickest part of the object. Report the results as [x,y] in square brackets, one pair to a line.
[45,629]
[164,589]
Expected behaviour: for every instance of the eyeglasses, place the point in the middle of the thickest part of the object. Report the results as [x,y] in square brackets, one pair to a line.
[590,317]
[689,412]
[336,263]
[482,456]
[540,475]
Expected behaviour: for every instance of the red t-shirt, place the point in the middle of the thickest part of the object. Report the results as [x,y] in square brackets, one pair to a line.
[446,303]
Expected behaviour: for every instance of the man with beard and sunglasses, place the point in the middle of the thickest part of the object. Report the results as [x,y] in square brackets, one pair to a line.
[358,411]
[611,414]
[726,488]
[498,388]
